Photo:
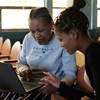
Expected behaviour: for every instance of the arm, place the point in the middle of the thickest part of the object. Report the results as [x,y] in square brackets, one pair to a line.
[92,67]
[69,68]
[72,92]
[22,67]
[64,88]
[22,62]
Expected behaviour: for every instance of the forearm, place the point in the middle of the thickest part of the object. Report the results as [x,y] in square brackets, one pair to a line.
[72,92]
[69,80]
[21,67]
[96,74]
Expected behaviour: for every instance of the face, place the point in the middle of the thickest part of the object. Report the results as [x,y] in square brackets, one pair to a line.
[67,41]
[40,30]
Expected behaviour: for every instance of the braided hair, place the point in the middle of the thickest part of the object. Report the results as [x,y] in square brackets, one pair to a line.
[73,17]
[41,12]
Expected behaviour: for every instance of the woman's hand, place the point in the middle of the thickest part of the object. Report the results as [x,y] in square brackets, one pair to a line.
[26,74]
[51,78]
[47,88]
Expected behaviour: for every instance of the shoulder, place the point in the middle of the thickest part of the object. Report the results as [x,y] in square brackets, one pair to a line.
[28,39]
[93,48]
[28,35]
[95,44]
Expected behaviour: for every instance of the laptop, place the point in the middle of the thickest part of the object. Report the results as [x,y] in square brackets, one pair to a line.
[10,81]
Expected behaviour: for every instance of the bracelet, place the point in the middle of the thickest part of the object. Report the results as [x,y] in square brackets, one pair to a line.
[94,93]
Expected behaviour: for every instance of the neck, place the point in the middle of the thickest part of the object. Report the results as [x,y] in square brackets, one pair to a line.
[84,44]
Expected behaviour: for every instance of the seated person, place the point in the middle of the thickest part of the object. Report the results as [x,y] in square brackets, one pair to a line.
[71,28]
[41,50]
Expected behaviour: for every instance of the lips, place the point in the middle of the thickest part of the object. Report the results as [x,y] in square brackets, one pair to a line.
[39,40]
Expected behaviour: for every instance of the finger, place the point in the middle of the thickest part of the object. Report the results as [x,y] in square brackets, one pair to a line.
[29,72]
[42,82]
[47,78]
[28,78]
[44,78]
[43,89]
[27,75]
[22,74]
[48,73]
[23,78]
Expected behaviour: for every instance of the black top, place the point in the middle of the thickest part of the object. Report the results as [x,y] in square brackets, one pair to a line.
[92,65]
[72,93]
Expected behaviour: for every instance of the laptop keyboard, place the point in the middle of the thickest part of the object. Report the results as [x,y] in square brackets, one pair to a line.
[33,83]
[28,85]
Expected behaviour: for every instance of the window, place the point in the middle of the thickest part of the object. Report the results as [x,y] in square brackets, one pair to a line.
[14,18]
[14,13]
[59,6]
[21,3]
[98,13]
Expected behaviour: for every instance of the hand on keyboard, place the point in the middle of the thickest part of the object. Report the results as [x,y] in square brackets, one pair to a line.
[26,74]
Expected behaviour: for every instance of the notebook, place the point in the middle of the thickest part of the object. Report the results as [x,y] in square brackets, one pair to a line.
[9,80]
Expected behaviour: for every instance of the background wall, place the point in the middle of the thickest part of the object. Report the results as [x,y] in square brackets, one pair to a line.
[89,9]
[13,36]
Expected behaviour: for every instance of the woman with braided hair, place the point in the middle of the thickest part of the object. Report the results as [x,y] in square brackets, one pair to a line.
[71,28]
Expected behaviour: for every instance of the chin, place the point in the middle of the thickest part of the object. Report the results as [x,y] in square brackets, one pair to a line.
[41,43]
[69,52]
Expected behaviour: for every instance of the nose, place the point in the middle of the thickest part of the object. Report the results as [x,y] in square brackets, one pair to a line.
[37,35]
[61,44]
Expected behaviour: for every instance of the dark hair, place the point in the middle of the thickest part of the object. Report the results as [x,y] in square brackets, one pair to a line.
[41,12]
[72,17]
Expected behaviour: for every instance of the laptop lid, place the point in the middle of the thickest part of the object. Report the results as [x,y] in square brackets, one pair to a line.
[11,82]
[9,79]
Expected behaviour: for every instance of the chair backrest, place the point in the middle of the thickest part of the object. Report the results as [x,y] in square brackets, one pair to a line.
[1,43]
[16,48]
[6,47]
[80,83]
[98,38]
[80,59]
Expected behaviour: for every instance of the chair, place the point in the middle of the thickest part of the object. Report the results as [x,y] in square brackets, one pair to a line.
[12,59]
[98,38]
[1,43]
[80,59]
[6,48]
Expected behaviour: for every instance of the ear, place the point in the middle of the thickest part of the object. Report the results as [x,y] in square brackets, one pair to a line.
[52,26]
[74,34]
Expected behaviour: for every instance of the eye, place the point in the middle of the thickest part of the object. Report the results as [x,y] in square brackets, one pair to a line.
[32,32]
[60,40]
[40,30]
